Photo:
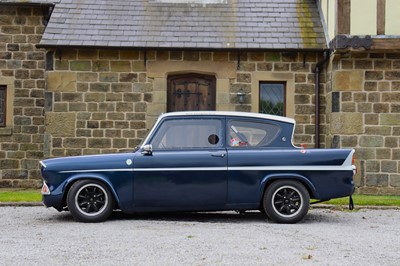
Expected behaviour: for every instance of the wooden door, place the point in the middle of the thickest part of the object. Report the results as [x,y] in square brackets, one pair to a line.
[191,92]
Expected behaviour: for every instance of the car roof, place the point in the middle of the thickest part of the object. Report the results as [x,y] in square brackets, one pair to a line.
[227,113]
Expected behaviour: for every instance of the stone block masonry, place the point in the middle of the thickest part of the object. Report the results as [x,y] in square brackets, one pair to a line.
[364,113]
[89,101]
[114,95]
[102,101]
[22,71]
[98,102]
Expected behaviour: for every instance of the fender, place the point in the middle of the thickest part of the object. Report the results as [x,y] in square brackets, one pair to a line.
[303,179]
[97,177]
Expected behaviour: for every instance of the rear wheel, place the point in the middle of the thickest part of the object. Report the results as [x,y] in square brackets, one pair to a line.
[286,201]
[90,201]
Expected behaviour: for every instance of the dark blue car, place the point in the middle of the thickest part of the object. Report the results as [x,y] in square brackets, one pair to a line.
[202,161]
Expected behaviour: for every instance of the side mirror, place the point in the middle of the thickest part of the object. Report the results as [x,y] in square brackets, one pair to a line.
[147,149]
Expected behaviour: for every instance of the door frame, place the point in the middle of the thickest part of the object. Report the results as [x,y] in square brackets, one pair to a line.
[158,71]
[211,78]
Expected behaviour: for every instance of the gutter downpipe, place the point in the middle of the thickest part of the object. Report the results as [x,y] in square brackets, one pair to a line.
[317,72]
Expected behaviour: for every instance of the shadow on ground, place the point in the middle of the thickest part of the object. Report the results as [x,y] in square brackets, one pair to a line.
[255,217]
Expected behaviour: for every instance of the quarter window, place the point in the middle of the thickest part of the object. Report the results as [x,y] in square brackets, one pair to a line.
[3,104]
[246,133]
[189,134]
[272,98]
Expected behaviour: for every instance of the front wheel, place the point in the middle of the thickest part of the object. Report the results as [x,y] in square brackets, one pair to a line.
[286,201]
[90,201]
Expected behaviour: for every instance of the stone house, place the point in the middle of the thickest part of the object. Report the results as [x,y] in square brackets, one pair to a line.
[363,87]
[22,87]
[88,77]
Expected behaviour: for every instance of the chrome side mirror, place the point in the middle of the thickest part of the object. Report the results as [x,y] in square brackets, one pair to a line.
[147,149]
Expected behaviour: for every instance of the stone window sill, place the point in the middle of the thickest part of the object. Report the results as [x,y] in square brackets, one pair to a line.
[6,131]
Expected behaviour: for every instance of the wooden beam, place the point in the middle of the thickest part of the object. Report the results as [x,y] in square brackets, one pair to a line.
[381,17]
[343,17]
[388,44]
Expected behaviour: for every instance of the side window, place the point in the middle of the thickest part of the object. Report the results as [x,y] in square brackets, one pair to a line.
[249,133]
[189,134]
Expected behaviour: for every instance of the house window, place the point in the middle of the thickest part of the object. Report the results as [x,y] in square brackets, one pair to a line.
[272,98]
[3,105]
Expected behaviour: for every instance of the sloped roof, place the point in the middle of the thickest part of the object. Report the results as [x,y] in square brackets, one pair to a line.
[231,24]
[29,2]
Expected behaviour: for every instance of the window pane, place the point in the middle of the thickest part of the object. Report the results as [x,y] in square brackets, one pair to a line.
[272,98]
[2,106]
[246,133]
[189,134]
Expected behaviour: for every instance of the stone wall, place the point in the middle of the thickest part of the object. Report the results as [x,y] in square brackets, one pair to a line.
[22,68]
[96,102]
[364,113]
[100,101]
[297,70]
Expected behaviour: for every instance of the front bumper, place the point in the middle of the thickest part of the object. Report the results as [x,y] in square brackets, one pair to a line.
[55,201]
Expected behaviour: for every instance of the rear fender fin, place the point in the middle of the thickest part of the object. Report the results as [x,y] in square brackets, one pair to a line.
[349,159]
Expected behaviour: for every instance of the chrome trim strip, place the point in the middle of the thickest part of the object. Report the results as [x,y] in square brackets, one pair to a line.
[293,168]
[182,169]
[235,168]
[149,169]
[97,170]
[42,164]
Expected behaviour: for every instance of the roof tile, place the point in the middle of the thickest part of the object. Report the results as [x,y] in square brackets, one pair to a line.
[273,24]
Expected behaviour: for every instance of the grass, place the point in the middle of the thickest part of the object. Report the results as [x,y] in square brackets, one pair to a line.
[20,195]
[368,200]
[33,195]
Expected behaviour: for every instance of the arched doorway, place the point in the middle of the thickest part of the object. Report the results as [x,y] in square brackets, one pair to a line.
[191,92]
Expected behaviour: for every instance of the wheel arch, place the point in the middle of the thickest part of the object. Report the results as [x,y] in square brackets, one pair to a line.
[269,179]
[73,179]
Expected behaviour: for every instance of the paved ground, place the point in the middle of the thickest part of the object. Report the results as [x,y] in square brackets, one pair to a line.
[39,236]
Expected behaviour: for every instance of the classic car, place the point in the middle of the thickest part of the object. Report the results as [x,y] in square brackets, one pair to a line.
[202,161]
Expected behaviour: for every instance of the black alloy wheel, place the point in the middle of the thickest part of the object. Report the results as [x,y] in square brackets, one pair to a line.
[286,201]
[90,201]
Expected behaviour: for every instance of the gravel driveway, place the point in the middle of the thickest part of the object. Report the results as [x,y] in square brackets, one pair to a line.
[39,236]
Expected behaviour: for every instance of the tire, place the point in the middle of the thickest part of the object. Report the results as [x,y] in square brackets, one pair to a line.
[286,201]
[90,201]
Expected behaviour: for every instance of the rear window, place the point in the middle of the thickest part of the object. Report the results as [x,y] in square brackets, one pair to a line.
[250,133]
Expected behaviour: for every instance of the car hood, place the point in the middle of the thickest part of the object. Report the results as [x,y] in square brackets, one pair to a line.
[89,162]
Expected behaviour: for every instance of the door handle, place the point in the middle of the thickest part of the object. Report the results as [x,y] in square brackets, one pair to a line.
[222,155]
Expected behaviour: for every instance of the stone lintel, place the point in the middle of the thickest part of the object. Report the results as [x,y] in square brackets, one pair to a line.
[160,69]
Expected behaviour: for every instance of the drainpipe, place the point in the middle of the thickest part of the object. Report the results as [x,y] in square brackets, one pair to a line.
[317,72]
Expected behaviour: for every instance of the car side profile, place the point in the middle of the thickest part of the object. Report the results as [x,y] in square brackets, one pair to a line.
[202,161]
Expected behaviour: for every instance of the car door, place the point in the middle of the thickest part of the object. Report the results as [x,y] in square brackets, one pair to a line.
[187,168]
[248,147]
